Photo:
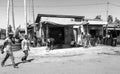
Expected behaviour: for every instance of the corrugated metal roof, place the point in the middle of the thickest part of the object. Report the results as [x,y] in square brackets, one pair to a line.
[97,22]
[58,16]
[113,25]
[62,21]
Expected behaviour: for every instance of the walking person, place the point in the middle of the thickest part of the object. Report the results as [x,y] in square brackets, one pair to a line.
[25,48]
[7,49]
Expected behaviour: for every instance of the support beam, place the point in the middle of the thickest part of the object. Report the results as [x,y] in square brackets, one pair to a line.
[33,15]
[8,13]
[13,19]
[25,16]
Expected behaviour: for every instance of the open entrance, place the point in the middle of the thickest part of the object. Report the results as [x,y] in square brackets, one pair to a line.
[57,33]
[94,33]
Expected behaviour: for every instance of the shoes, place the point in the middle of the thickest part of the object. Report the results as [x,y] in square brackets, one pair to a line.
[23,60]
[2,64]
[15,66]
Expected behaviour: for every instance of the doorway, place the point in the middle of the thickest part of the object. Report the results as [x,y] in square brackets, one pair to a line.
[57,33]
[93,33]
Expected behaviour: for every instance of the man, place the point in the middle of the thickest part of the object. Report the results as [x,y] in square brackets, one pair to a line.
[7,48]
[88,37]
[87,40]
[72,44]
[25,48]
[50,43]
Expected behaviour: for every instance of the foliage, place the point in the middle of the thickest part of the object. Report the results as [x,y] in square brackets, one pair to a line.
[110,19]
[98,17]
[117,21]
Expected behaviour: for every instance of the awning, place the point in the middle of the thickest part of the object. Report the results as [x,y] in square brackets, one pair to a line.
[61,21]
[97,22]
[113,28]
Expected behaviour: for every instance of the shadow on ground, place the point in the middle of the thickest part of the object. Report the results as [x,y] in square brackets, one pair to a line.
[107,53]
[27,61]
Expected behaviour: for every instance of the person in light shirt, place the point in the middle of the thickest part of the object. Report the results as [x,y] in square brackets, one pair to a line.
[7,48]
[25,48]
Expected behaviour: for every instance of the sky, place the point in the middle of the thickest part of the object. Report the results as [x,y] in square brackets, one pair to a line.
[87,8]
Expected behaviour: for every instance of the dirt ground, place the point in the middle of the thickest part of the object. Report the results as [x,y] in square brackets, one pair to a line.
[94,60]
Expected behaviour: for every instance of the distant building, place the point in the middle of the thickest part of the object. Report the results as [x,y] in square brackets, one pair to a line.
[2,33]
[113,29]
[63,28]
[94,26]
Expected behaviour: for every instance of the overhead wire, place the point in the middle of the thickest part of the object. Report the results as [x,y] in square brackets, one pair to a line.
[62,5]
[116,5]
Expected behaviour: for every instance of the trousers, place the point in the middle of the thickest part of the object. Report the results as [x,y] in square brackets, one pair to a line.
[7,56]
[24,58]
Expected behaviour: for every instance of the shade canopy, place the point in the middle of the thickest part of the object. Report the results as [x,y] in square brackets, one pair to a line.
[61,21]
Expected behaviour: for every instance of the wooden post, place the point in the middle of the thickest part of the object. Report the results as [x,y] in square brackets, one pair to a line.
[13,16]
[25,16]
[46,31]
[40,30]
[107,17]
[46,34]
[33,15]
[87,30]
[8,10]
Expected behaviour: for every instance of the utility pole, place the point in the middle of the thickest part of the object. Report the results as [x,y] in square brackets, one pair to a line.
[33,15]
[13,19]
[8,13]
[107,13]
[29,9]
[25,16]
[87,24]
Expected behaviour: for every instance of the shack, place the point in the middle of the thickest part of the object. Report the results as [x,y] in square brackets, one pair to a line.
[113,29]
[95,27]
[63,28]
[2,33]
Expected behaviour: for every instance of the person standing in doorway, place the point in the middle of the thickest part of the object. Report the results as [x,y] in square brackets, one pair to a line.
[25,48]
[7,48]
[50,43]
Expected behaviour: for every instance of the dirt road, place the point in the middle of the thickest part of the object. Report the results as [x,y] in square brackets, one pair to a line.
[94,60]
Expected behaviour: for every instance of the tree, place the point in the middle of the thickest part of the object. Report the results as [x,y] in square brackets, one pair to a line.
[110,19]
[98,17]
[117,21]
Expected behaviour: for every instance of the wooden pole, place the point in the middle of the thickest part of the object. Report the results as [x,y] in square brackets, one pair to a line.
[33,15]
[47,31]
[25,16]
[8,13]
[107,17]
[13,16]
[87,31]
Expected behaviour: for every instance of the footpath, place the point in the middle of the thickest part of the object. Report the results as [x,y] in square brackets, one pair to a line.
[42,52]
